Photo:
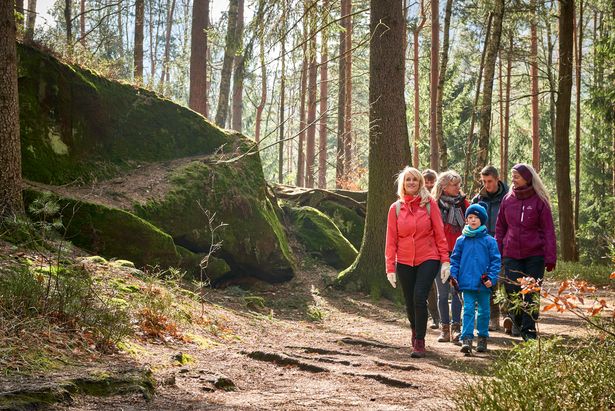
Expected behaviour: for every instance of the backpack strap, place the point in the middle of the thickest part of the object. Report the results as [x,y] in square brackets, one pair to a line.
[398,207]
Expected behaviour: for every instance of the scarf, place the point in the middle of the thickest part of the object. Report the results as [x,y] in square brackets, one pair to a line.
[450,207]
[479,232]
[524,192]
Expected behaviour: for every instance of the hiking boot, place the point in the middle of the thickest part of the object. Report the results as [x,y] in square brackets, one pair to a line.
[445,333]
[466,346]
[481,345]
[508,325]
[529,335]
[434,325]
[455,333]
[419,349]
[494,324]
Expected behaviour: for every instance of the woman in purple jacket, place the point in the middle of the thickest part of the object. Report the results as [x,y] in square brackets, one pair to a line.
[526,239]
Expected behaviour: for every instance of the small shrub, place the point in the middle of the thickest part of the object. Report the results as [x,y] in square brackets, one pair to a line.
[547,375]
[315,313]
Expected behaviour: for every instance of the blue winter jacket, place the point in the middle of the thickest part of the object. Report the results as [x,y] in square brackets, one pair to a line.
[471,258]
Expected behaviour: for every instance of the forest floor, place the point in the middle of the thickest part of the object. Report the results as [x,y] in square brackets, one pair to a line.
[356,355]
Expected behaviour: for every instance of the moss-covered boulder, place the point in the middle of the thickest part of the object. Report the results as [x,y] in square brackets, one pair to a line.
[214,269]
[321,237]
[111,232]
[76,125]
[350,223]
[253,241]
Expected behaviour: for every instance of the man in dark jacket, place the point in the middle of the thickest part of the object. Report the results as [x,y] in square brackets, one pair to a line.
[491,193]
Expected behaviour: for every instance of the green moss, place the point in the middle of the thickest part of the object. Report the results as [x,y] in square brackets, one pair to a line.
[321,237]
[253,240]
[123,263]
[113,232]
[348,221]
[78,125]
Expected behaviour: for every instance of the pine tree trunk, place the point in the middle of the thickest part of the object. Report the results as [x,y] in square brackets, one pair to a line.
[68,20]
[469,153]
[324,89]
[30,20]
[504,167]
[10,146]
[238,72]
[310,151]
[341,104]
[347,24]
[417,98]
[442,78]
[302,123]
[227,64]
[434,157]
[551,77]
[167,47]
[198,57]
[138,52]
[120,29]
[282,99]
[534,88]
[82,23]
[562,125]
[388,144]
[501,98]
[261,104]
[577,139]
[493,45]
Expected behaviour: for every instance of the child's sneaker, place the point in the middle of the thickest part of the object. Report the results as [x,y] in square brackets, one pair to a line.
[481,346]
[466,346]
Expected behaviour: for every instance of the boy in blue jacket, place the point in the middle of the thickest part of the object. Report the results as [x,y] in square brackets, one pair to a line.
[475,264]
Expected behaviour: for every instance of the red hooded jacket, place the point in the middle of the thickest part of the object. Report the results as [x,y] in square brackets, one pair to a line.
[416,235]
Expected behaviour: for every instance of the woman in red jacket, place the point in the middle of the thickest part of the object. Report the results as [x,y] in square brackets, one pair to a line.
[415,247]
[452,204]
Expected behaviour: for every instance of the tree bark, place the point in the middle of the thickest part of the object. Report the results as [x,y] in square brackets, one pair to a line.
[198,57]
[417,98]
[442,78]
[167,47]
[227,64]
[388,144]
[341,103]
[347,24]
[493,45]
[434,157]
[30,21]
[551,76]
[504,167]
[577,139]
[302,123]
[310,151]
[138,52]
[238,72]
[562,124]
[282,98]
[82,23]
[68,12]
[469,142]
[261,104]
[11,201]
[534,88]
[324,90]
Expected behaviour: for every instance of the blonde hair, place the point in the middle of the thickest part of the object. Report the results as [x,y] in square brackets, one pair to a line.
[538,185]
[444,179]
[401,191]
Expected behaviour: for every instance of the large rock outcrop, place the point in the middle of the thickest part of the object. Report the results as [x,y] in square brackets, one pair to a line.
[86,134]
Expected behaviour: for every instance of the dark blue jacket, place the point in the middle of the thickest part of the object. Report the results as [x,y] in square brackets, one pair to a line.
[493,204]
[471,258]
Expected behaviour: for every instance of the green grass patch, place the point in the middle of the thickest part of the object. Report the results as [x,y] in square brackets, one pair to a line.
[550,375]
[592,273]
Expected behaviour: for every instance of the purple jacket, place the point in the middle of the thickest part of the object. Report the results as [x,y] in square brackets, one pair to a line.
[524,228]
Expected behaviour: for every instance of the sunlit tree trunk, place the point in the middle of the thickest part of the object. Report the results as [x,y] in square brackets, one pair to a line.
[138,47]
[562,132]
[230,50]
[417,97]
[198,57]
[324,90]
[238,73]
[388,144]
[443,155]
[82,23]
[434,157]
[30,20]
[11,201]
[282,99]
[348,140]
[534,88]
[167,47]
[577,139]
[310,151]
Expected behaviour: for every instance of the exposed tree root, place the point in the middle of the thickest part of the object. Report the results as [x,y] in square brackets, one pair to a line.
[282,360]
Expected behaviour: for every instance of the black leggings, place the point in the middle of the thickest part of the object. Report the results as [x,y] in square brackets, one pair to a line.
[525,318]
[415,284]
